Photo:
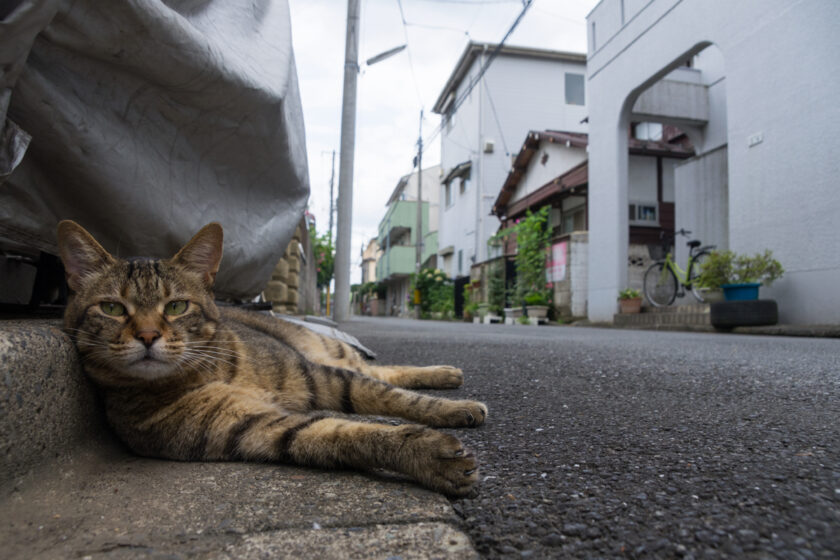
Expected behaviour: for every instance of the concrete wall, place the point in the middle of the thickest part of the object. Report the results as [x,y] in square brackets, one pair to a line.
[570,292]
[780,130]
[703,211]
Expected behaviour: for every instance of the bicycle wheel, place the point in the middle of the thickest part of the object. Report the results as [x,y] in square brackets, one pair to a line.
[698,292]
[660,285]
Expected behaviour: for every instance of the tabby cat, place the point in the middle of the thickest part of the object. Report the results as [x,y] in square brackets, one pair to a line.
[183,379]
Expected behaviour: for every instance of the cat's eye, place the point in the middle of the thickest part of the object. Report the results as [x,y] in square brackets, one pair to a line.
[112,308]
[175,307]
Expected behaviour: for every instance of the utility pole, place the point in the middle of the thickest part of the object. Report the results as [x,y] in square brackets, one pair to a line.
[419,249]
[332,196]
[330,235]
[345,173]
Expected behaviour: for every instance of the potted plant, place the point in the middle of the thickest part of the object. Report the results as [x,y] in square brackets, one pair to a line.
[470,312]
[740,277]
[537,304]
[629,301]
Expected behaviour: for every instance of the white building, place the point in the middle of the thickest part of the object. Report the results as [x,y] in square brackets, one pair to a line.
[759,102]
[483,121]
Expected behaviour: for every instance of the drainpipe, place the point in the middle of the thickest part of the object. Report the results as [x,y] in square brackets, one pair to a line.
[479,187]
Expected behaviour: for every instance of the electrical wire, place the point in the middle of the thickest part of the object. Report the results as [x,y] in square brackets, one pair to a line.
[408,52]
[496,118]
[474,81]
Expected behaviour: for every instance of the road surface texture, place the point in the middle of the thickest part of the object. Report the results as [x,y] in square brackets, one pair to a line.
[636,444]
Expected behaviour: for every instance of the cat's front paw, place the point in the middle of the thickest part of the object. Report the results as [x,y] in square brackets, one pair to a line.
[460,414]
[445,377]
[438,461]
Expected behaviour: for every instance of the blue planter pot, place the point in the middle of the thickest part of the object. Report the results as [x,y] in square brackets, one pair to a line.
[741,292]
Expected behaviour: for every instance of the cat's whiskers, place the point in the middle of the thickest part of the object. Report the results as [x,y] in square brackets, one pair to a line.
[197,359]
[209,356]
[209,350]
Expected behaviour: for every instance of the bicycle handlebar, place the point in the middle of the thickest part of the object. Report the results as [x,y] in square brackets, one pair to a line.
[683,232]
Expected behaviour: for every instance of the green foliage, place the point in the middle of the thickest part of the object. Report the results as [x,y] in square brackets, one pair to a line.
[628,293]
[532,238]
[373,290]
[726,267]
[536,298]
[324,252]
[496,287]
[436,292]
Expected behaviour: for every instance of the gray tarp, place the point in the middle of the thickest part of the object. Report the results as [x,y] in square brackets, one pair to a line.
[145,119]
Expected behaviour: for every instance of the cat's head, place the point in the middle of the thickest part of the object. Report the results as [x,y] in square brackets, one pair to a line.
[139,318]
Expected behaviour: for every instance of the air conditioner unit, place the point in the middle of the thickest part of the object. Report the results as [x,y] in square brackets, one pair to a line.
[488,146]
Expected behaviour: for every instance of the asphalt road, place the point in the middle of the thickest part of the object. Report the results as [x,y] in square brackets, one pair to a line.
[619,443]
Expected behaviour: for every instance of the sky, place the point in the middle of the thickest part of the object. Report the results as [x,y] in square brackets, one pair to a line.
[392,93]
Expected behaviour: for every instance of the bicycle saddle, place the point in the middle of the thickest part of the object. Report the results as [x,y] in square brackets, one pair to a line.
[694,243]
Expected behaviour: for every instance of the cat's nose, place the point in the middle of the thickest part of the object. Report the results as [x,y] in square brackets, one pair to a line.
[147,337]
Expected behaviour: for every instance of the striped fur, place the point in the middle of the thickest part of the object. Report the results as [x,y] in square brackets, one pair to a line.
[194,382]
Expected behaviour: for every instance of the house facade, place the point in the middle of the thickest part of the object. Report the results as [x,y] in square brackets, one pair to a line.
[748,82]
[483,118]
[397,237]
[370,256]
[551,169]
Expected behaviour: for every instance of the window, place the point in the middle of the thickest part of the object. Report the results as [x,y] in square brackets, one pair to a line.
[460,261]
[574,89]
[448,188]
[465,183]
[644,214]
[648,131]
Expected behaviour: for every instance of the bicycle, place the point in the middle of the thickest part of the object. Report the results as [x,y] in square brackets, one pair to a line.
[664,280]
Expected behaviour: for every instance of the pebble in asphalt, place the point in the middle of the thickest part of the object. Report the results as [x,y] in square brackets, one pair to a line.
[637,444]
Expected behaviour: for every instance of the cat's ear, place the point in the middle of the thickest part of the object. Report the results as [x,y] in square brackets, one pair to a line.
[80,253]
[203,253]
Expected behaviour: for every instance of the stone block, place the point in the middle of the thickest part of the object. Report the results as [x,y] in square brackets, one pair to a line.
[294,263]
[293,280]
[281,271]
[293,297]
[292,250]
[275,291]
[47,406]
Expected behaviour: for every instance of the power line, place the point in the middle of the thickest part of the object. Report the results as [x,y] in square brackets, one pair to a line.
[408,51]
[474,81]
[496,118]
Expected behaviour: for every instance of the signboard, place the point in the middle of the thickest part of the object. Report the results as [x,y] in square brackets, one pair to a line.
[557,263]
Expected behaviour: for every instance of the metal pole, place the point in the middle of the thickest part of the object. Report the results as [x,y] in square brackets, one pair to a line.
[345,173]
[332,196]
[330,237]
[419,238]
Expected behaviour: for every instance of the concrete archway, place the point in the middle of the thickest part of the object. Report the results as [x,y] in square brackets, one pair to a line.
[780,135]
